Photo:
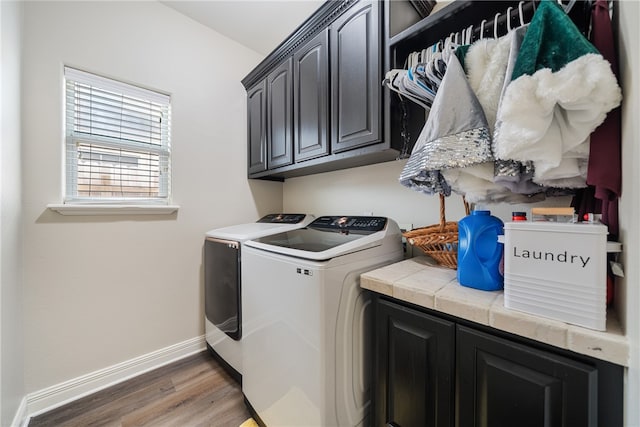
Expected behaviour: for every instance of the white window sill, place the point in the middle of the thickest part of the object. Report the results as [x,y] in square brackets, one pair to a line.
[113,209]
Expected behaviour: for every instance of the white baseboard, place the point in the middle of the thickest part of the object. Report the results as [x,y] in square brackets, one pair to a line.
[57,395]
[19,420]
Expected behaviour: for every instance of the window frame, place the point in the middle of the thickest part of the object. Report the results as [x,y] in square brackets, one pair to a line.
[159,147]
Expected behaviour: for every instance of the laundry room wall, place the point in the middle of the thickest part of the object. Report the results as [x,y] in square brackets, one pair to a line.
[627,295]
[375,190]
[367,190]
[103,290]
[11,295]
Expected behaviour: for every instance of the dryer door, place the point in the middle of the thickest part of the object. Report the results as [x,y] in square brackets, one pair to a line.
[222,285]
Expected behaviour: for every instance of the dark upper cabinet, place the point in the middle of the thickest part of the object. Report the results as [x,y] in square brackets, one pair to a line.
[338,100]
[356,77]
[311,98]
[414,370]
[257,127]
[502,383]
[432,369]
[279,116]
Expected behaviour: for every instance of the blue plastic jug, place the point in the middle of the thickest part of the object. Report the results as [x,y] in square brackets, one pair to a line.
[479,252]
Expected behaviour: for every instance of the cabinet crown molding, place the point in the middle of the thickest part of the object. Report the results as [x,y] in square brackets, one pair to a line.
[321,19]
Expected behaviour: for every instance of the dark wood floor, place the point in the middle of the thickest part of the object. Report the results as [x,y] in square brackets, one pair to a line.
[193,392]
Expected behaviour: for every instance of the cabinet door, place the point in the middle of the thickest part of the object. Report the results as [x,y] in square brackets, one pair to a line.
[356,77]
[256,128]
[413,369]
[311,98]
[279,115]
[502,383]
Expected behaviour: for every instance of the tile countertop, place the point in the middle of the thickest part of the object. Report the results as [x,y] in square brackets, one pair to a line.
[422,282]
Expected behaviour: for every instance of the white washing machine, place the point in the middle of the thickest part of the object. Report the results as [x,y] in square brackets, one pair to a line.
[306,355]
[223,283]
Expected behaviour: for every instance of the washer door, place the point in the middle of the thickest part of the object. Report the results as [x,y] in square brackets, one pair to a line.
[222,285]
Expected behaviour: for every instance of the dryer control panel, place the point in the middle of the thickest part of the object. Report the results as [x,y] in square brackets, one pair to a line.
[282,218]
[355,224]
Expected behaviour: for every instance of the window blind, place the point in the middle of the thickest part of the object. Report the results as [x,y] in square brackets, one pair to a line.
[118,141]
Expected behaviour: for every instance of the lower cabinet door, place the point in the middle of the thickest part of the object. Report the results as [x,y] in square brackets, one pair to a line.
[502,383]
[414,368]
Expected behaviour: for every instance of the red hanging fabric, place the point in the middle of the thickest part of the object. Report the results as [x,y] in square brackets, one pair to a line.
[604,171]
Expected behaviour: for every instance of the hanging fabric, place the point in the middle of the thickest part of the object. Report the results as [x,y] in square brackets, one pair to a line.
[536,93]
[456,135]
[489,62]
[455,144]
[604,172]
[560,91]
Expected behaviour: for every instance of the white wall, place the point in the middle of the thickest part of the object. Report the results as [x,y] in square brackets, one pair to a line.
[102,290]
[375,189]
[11,344]
[628,290]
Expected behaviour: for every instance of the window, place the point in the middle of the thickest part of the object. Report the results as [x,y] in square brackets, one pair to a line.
[117,141]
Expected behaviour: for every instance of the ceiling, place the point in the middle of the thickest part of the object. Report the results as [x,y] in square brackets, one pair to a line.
[260,25]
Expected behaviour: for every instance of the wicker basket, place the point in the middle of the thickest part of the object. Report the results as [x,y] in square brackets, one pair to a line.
[439,241]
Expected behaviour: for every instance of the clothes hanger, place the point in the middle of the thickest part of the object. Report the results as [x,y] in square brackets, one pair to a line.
[423,72]
[509,19]
[469,34]
[521,13]
[568,7]
[416,80]
[448,46]
[431,72]
[482,28]
[413,60]
[495,25]
[411,86]
[394,80]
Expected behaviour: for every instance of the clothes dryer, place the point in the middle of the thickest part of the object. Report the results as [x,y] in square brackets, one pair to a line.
[223,283]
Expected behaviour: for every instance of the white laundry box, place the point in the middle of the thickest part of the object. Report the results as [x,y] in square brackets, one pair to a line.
[557,270]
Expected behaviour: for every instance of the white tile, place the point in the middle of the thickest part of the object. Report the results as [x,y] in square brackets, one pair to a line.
[393,272]
[467,303]
[381,280]
[376,285]
[420,288]
[611,345]
[527,325]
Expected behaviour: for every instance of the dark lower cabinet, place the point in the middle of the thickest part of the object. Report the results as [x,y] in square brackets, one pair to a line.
[501,383]
[415,368]
[500,379]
